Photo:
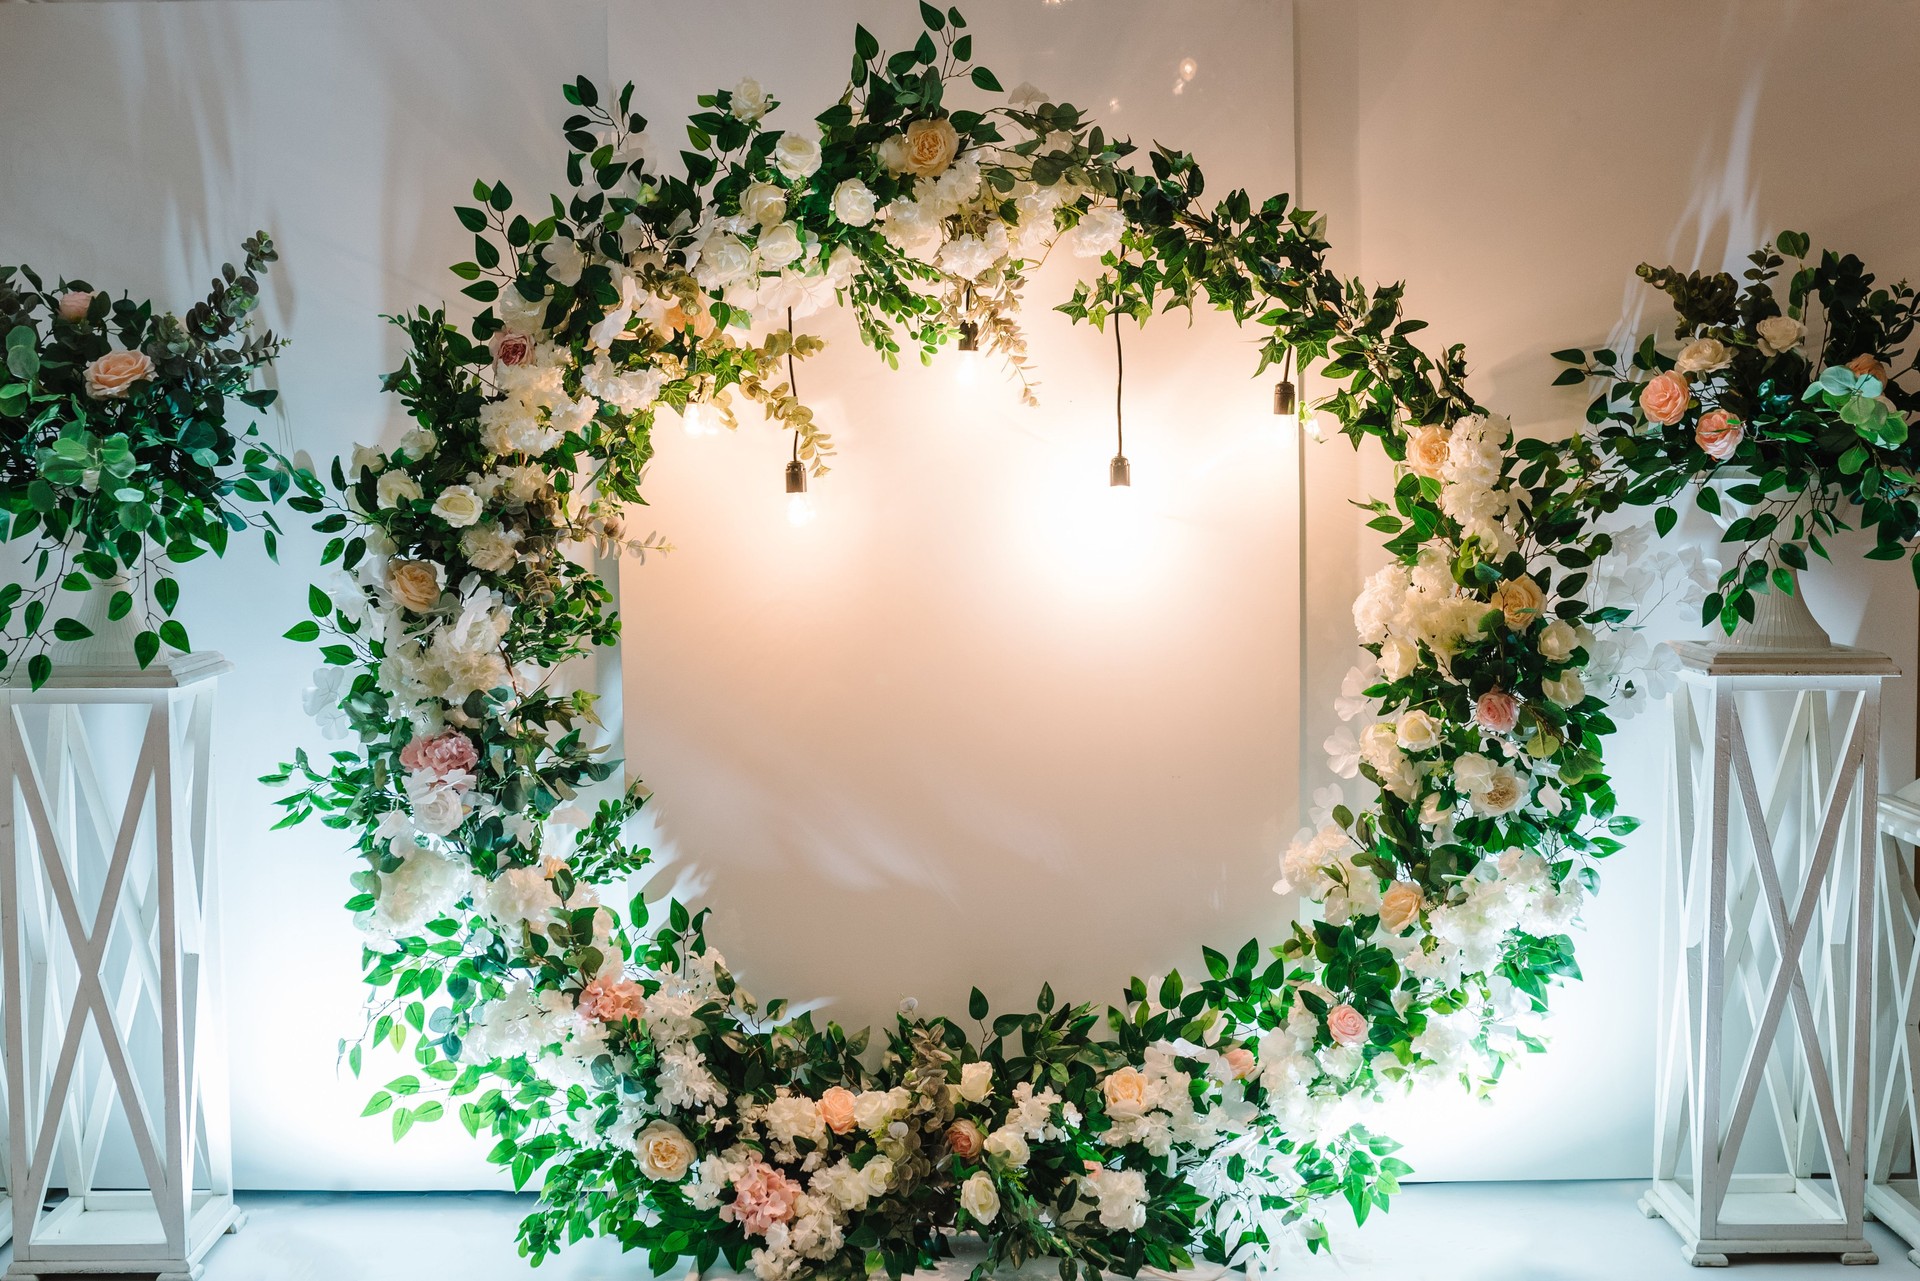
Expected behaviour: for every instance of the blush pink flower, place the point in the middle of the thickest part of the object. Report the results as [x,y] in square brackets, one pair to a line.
[762,1197]
[1241,1063]
[1347,1025]
[74,305]
[1664,398]
[1497,712]
[612,999]
[510,348]
[443,754]
[1719,434]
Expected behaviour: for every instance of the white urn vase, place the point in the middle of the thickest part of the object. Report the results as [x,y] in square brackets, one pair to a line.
[1781,620]
[111,645]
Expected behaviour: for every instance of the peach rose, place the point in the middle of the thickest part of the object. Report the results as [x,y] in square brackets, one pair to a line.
[1497,712]
[414,583]
[1400,905]
[74,305]
[1870,366]
[929,148]
[1521,601]
[1427,450]
[700,321]
[1664,398]
[1719,434]
[510,348]
[964,1140]
[1347,1025]
[110,377]
[440,754]
[1240,1062]
[836,1108]
[612,1000]
[1125,1091]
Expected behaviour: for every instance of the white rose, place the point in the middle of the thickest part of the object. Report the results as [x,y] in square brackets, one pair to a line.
[879,1175]
[437,808]
[418,443]
[723,260]
[1558,640]
[665,1153]
[1417,731]
[976,1081]
[872,1110]
[797,155]
[1779,334]
[781,245]
[366,458]
[853,203]
[1566,691]
[458,505]
[565,262]
[979,1198]
[1397,658]
[395,487]
[1702,356]
[489,549]
[763,204]
[1010,1145]
[749,101]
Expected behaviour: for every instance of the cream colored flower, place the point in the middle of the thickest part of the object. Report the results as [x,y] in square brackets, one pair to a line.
[665,1154]
[1558,640]
[458,505]
[1779,334]
[1521,601]
[395,487]
[415,584]
[1400,905]
[1427,450]
[1703,356]
[1417,731]
[1565,691]
[853,203]
[979,1198]
[926,149]
[976,1081]
[1125,1090]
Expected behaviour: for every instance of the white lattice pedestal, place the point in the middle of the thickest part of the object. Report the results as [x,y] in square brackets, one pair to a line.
[1893,1192]
[1761,1125]
[116,1058]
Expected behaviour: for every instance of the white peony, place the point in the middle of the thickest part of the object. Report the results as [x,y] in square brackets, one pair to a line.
[967,257]
[665,1154]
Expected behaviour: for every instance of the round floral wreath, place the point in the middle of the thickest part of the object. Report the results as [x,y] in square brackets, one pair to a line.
[611,1053]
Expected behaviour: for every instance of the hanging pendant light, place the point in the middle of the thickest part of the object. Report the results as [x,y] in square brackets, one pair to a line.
[799,502]
[1286,400]
[1119,471]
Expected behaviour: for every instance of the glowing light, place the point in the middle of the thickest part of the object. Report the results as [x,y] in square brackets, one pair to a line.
[800,512]
[1286,404]
[700,419]
[967,358]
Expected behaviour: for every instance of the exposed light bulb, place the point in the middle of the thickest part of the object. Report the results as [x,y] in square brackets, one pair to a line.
[700,419]
[1120,473]
[968,360]
[799,501]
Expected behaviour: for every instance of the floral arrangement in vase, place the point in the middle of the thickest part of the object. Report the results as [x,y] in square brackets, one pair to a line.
[1782,405]
[116,455]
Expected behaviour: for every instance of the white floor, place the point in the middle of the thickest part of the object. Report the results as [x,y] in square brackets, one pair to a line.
[1436,1232]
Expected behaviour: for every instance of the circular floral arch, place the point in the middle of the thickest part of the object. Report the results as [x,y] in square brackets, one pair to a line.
[605,1047]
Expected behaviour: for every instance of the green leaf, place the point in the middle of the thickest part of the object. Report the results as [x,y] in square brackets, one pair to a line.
[1664,519]
[70,629]
[39,667]
[984,79]
[166,592]
[319,602]
[864,43]
[175,635]
[977,1005]
[146,647]
[119,606]
[379,1103]
[935,20]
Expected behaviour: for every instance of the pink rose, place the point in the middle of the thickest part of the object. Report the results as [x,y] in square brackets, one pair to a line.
[964,1140]
[510,348]
[612,999]
[762,1197]
[443,754]
[74,305]
[1719,434]
[1497,712]
[1240,1062]
[114,374]
[836,1108]
[1664,398]
[1347,1025]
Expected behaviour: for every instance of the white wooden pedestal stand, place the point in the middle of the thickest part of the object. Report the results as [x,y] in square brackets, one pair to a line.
[110,928]
[1893,1193]
[1764,1032]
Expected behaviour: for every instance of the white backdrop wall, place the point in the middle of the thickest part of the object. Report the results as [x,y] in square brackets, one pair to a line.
[978,723]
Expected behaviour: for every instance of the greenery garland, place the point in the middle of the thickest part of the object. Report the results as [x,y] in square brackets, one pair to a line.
[606,1049]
